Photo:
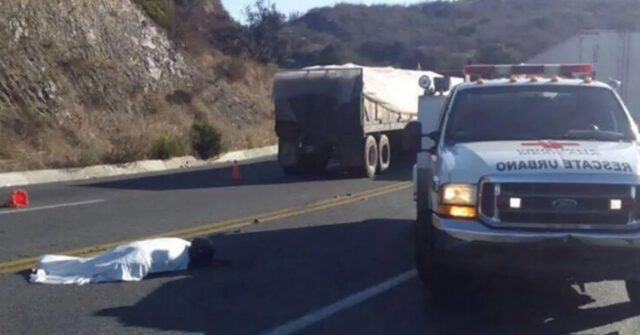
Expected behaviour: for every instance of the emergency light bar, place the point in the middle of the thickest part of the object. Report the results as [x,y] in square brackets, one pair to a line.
[566,70]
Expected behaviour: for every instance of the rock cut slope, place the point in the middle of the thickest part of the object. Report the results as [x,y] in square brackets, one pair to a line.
[85,82]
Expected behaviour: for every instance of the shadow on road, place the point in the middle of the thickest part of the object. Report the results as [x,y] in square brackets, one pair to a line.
[274,276]
[516,306]
[253,173]
[400,170]
[279,275]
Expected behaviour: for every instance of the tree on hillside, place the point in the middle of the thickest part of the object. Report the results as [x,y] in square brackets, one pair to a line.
[497,53]
[264,22]
[336,53]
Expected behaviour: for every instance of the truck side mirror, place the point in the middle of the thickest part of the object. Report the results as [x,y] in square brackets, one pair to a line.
[442,84]
[435,137]
[615,84]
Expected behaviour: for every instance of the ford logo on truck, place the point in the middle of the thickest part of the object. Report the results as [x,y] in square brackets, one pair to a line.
[565,204]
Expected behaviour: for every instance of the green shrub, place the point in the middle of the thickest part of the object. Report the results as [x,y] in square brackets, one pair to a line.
[206,140]
[160,11]
[127,147]
[336,53]
[164,147]
[92,154]
[179,97]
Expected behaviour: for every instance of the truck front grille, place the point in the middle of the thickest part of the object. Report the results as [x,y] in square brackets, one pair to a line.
[540,204]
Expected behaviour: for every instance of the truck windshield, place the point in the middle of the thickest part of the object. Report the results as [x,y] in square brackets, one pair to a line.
[536,113]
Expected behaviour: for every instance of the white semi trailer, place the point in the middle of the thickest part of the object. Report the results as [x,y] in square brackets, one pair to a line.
[615,55]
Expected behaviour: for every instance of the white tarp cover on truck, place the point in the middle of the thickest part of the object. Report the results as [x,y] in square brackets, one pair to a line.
[394,89]
[338,101]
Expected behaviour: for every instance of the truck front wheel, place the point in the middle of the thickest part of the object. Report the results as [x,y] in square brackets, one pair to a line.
[370,156]
[425,258]
[384,148]
[433,275]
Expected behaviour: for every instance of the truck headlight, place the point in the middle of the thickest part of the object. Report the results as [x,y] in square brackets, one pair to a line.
[459,194]
[458,201]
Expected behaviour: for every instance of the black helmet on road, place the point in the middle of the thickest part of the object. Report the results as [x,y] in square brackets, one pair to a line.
[201,253]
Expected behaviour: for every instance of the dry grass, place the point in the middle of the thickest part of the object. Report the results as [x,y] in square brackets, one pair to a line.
[232,69]
[99,136]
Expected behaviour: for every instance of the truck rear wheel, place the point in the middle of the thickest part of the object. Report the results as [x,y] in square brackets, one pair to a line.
[315,164]
[370,156]
[289,156]
[384,148]
[291,170]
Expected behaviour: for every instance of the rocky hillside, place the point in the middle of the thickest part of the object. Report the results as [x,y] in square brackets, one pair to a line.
[85,82]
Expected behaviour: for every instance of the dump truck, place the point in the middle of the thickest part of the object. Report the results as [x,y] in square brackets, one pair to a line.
[352,114]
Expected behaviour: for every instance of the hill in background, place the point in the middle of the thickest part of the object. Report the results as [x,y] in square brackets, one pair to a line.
[445,35]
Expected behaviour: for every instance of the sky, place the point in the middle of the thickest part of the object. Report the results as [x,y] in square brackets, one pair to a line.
[236,7]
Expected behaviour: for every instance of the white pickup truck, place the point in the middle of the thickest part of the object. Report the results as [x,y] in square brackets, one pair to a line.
[531,170]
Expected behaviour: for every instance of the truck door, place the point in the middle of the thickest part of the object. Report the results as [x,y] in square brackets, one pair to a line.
[430,116]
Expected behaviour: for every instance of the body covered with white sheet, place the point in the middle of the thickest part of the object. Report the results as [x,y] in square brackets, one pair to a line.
[128,262]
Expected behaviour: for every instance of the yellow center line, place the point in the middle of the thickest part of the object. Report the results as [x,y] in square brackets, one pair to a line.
[21,264]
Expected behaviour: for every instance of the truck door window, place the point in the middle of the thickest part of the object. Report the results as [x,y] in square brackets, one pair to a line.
[445,108]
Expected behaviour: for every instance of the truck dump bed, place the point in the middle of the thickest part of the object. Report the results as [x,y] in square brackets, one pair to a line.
[342,112]
[369,98]
[319,102]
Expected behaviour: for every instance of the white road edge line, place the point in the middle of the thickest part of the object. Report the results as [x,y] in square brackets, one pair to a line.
[338,306]
[69,204]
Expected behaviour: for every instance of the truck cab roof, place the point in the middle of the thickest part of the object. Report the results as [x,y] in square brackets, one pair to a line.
[525,81]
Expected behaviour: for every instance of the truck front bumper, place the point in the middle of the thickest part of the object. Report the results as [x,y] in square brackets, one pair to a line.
[580,255]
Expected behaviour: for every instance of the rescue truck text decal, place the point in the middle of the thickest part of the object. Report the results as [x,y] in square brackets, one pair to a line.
[567,164]
[553,147]
[551,144]
[573,152]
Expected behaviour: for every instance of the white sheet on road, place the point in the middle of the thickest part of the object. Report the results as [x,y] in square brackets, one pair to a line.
[129,262]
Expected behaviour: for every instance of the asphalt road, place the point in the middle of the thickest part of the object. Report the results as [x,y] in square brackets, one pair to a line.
[335,258]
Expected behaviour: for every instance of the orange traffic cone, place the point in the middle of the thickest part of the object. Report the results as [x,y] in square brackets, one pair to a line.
[18,199]
[235,172]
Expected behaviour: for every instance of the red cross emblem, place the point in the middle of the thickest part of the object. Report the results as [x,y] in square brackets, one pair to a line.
[551,144]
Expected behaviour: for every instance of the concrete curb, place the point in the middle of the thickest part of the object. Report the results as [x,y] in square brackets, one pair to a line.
[24,178]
